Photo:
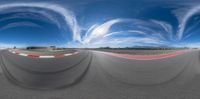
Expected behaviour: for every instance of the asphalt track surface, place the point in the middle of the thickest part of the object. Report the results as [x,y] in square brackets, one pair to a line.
[100,76]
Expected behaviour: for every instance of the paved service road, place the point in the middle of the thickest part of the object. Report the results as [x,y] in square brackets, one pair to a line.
[105,77]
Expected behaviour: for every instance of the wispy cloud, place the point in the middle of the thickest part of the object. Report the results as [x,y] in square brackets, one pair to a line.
[141,32]
[184,15]
[68,15]
[124,33]
[149,31]
[100,31]
[11,25]
[167,28]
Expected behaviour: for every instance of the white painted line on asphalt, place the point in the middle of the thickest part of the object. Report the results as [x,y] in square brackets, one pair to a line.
[67,54]
[22,54]
[46,56]
[75,52]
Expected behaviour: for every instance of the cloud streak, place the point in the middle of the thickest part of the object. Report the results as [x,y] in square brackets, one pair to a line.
[11,25]
[140,32]
[185,19]
[99,31]
[68,15]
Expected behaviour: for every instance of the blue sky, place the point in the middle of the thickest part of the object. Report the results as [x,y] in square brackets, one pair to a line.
[100,23]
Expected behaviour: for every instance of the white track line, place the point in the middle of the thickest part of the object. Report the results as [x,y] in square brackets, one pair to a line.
[67,54]
[13,52]
[22,54]
[46,56]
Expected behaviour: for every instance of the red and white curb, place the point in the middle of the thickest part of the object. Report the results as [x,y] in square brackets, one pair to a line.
[147,57]
[43,56]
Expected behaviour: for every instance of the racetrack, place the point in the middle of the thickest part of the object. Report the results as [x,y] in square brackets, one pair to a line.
[45,73]
[104,77]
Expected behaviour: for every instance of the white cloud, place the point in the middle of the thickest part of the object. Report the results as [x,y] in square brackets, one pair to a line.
[48,17]
[89,31]
[101,35]
[11,25]
[67,14]
[100,31]
[183,19]
[124,32]
[124,42]
[167,27]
